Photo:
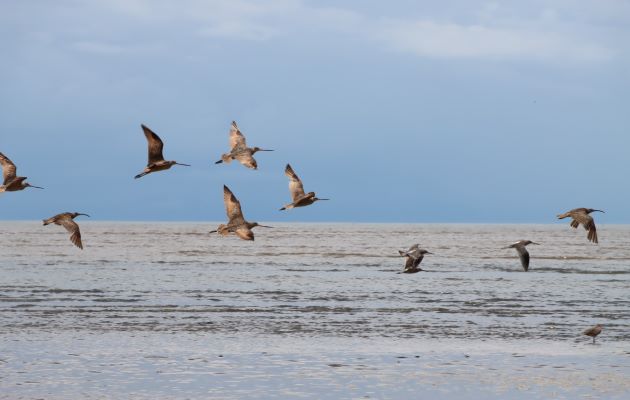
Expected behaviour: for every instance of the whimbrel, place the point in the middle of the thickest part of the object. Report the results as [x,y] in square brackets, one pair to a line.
[12,183]
[593,332]
[66,220]
[581,216]
[522,251]
[239,150]
[297,191]
[156,159]
[236,222]
[414,257]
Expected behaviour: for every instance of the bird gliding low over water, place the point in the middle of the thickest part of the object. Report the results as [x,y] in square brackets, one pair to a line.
[239,150]
[297,191]
[522,251]
[67,221]
[156,159]
[236,222]
[414,257]
[12,182]
[581,216]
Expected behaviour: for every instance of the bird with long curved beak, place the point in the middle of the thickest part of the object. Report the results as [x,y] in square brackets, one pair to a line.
[523,254]
[300,199]
[12,182]
[67,221]
[156,159]
[237,224]
[582,216]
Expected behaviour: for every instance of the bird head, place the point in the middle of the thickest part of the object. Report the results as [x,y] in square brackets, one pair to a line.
[76,214]
[530,242]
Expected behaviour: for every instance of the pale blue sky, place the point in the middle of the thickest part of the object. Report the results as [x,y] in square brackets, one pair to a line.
[419,111]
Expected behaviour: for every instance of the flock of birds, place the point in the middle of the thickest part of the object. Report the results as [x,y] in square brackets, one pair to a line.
[239,226]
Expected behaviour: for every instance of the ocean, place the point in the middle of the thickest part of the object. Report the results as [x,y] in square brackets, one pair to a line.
[316,311]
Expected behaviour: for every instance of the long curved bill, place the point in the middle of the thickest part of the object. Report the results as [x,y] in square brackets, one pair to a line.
[265,226]
[185,165]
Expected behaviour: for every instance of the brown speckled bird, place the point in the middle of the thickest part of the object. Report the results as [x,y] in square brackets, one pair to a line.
[581,216]
[12,182]
[300,199]
[239,150]
[236,222]
[156,159]
[67,221]
[593,332]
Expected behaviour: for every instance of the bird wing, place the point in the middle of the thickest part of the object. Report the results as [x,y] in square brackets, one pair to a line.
[588,223]
[295,184]
[73,228]
[523,254]
[155,145]
[247,160]
[413,262]
[236,137]
[244,233]
[232,207]
[8,169]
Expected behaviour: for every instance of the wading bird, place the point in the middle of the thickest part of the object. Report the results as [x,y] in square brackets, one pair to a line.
[593,332]
[236,222]
[522,251]
[414,257]
[297,191]
[581,216]
[66,220]
[12,183]
[239,150]
[156,159]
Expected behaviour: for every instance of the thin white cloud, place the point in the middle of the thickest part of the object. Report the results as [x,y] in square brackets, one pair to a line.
[449,40]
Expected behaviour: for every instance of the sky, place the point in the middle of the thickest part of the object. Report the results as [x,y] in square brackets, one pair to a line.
[401,111]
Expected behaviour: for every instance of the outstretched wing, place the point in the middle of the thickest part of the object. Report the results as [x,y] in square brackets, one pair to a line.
[155,145]
[236,137]
[247,160]
[8,169]
[295,184]
[588,223]
[232,207]
[244,233]
[73,229]
[523,254]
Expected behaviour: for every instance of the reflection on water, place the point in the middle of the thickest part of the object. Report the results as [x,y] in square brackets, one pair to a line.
[326,296]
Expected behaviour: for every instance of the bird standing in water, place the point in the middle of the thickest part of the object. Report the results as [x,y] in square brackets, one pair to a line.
[239,150]
[593,332]
[523,254]
[581,216]
[156,159]
[67,221]
[414,257]
[236,222]
[12,182]
[300,199]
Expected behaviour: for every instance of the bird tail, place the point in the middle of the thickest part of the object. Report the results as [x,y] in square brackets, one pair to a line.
[402,253]
[287,207]
[3,189]
[226,158]
[47,221]
[561,216]
[140,175]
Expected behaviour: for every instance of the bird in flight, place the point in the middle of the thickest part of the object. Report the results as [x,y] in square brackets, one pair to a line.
[12,182]
[236,222]
[300,199]
[582,216]
[156,159]
[67,221]
[414,257]
[523,254]
[239,150]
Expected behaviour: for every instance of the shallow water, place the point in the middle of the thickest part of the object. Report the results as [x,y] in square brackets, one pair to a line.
[164,310]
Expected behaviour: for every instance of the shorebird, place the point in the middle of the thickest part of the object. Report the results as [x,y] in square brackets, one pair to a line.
[593,332]
[414,257]
[239,150]
[12,183]
[522,251]
[581,216]
[67,221]
[297,191]
[236,222]
[156,159]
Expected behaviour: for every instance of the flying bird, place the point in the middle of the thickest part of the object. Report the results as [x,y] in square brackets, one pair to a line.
[593,332]
[12,182]
[236,222]
[581,216]
[522,251]
[297,191]
[156,159]
[239,150]
[67,221]
[414,257]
